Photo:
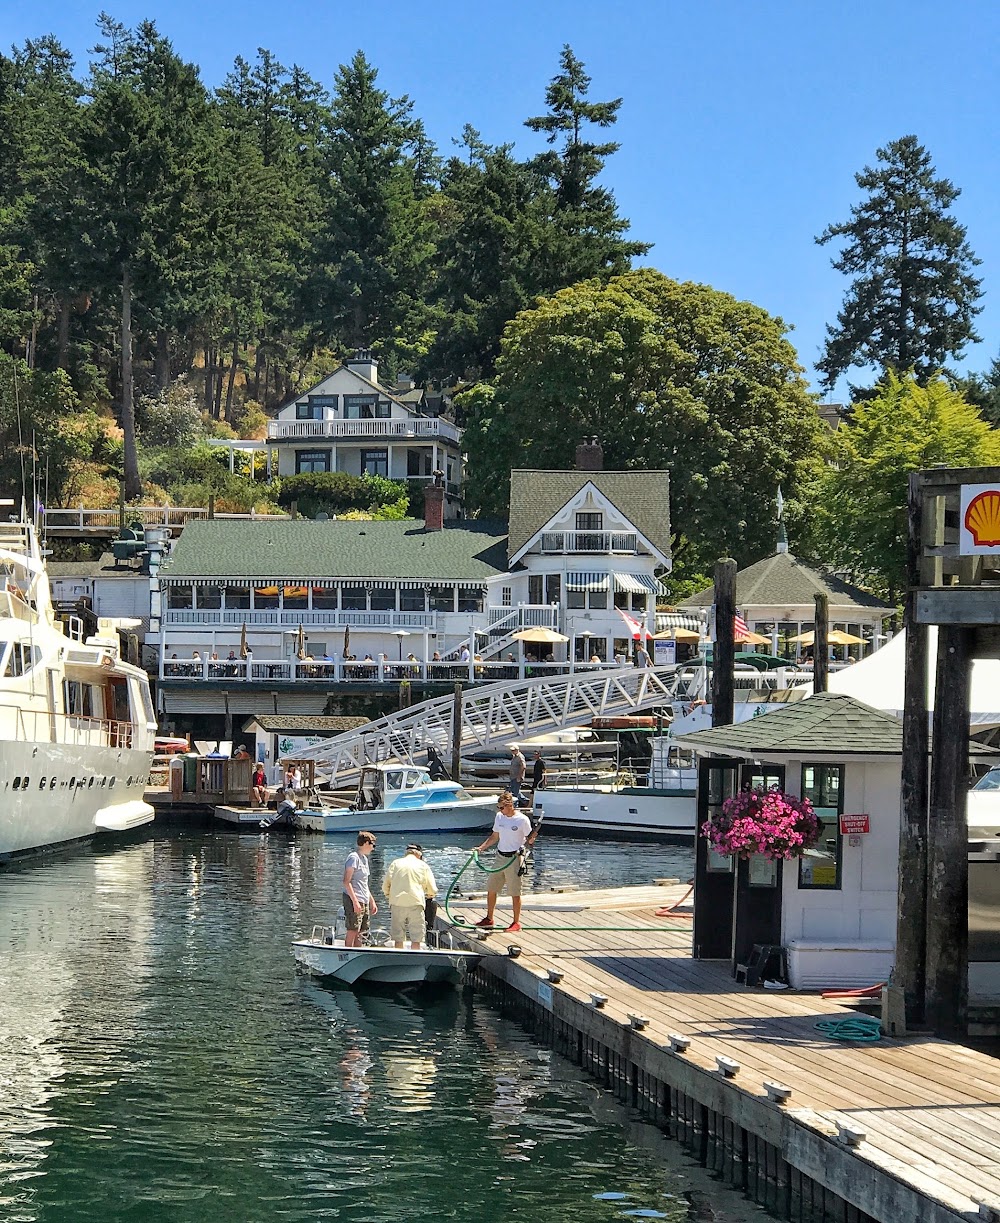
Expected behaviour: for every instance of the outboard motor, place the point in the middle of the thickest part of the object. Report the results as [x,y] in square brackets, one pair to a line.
[282,815]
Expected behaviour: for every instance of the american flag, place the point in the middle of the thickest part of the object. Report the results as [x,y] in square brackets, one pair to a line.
[740,626]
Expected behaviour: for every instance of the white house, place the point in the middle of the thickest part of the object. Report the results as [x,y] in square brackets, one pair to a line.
[350,422]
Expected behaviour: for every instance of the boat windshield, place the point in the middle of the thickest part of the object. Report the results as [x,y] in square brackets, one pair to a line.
[990,782]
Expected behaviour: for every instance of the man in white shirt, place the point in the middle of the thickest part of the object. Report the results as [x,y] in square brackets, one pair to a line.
[408,885]
[512,833]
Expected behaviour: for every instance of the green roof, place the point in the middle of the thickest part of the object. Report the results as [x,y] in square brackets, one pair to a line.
[643,497]
[781,580]
[828,723]
[304,723]
[300,549]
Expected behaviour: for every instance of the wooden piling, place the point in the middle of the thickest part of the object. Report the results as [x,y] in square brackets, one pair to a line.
[725,648]
[821,643]
[948,836]
[456,735]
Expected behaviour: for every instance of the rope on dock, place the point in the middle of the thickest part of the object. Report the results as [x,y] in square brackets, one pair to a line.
[460,922]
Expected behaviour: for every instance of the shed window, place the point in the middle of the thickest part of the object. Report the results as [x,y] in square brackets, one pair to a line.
[823,785]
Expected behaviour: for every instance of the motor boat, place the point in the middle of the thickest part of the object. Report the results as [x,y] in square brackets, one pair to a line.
[324,955]
[982,806]
[397,797]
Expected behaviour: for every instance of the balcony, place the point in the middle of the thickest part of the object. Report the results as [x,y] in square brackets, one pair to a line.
[591,542]
[418,428]
[389,620]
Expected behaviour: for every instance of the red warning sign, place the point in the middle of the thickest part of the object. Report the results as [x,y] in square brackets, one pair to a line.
[851,825]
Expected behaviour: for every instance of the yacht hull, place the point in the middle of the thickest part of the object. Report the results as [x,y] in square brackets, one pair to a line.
[383,965]
[626,812]
[467,816]
[52,793]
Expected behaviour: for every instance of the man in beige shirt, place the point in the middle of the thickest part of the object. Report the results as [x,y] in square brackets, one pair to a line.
[408,885]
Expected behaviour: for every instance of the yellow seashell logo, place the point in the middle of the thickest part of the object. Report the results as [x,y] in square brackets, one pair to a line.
[982,518]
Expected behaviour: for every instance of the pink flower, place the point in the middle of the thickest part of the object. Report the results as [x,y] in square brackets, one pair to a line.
[766,822]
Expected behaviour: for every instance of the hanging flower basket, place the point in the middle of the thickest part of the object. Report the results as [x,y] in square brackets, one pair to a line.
[767,822]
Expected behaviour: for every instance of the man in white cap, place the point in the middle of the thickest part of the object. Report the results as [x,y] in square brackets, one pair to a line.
[408,885]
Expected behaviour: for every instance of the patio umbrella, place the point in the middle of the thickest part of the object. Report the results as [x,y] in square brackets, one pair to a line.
[301,642]
[678,634]
[834,637]
[347,641]
[243,640]
[751,638]
[540,634]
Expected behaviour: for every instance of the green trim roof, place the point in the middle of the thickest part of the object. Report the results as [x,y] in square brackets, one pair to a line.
[780,580]
[303,723]
[643,497]
[301,549]
[828,723]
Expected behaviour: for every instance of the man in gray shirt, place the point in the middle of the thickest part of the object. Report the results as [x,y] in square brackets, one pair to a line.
[518,765]
[359,904]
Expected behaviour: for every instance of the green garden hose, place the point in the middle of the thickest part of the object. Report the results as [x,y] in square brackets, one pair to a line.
[862,1029]
[461,923]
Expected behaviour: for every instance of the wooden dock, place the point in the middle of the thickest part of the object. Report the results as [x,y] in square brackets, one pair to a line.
[928,1111]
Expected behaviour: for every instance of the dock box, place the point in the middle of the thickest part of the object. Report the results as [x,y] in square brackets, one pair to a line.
[836,963]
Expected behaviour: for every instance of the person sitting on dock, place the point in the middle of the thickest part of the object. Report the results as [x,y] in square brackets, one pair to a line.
[512,833]
[258,786]
[359,904]
[408,885]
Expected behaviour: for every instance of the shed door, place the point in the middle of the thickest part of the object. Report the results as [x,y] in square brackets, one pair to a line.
[757,911]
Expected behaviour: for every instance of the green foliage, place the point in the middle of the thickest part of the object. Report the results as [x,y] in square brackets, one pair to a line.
[336,492]
[912,299]
[170,419]
[667,375]
[861,522]
[44,435]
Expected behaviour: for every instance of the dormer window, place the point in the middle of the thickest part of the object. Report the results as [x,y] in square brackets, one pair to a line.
[590,522]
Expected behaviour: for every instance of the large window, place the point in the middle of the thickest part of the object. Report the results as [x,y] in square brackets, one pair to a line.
[321,402]
[237,598]
[442,598]
[383,600]
[307,411]
[324,598]
[553,583]
[470,599]
[180,598]
[375,462]
[311,460]
[265,598]
[823,785]
[209,598]
[413,600]
[535,588]
[589,522]
[295,598]
[366,407]
[354,598]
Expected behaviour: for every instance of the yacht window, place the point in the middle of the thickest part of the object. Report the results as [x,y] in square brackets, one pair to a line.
[394,780]
[414,778]
[21,658]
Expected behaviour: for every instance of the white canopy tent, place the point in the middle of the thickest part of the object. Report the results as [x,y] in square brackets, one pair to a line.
[879,681]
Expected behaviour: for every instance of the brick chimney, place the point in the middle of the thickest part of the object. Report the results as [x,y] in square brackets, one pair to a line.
[434,503]
[590,455]
[364,363]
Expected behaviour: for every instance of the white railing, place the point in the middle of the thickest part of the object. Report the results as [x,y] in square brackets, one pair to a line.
[380,670]
[502,620]
[82,519]
[497,714]
[590,541]
[292,619]
[417,428]
[44,726]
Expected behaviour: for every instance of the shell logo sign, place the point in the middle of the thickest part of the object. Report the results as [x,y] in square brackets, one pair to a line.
[979,520]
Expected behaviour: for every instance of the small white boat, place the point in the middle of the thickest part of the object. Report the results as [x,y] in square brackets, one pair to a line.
[324,955]
[398,797]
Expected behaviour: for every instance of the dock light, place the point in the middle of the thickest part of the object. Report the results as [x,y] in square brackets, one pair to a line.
[777,1092]
[555,976]
[678,1043]
[849,1135]
[598,1000]
[638,1022]
[728,1067]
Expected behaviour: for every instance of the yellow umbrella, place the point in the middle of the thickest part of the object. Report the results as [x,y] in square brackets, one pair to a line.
[678,634]
[751,638]
[834,637]
[540,634]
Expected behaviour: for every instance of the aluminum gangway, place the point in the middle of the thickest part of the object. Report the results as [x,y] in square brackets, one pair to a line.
[494,715]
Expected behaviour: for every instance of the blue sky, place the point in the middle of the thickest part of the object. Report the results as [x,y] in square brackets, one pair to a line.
[742,123]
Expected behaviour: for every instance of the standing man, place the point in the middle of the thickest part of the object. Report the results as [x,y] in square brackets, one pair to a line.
[512,834]
[538,772]
[518,766]
[408,885]
[359,904]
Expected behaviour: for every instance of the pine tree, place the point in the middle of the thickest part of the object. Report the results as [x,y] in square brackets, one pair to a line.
[913,296]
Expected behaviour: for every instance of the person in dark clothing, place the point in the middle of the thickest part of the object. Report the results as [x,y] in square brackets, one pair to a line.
[435,765]
[538,772]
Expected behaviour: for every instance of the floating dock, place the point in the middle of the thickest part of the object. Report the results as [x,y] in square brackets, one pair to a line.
[896,1131]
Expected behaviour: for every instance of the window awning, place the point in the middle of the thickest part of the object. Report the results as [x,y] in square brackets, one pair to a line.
[637,584]
[688,620]
[590,582]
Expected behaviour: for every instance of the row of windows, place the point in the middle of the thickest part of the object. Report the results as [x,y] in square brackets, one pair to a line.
[320,598]
[356,407]
[373,462]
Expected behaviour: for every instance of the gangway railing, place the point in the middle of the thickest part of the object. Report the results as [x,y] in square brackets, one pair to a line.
[495,715]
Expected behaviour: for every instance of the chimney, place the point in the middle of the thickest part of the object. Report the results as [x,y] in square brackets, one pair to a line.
[590,455]
[434,503]
[364,363]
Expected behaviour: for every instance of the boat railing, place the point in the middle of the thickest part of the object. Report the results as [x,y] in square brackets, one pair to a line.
[45,726]
[323,934]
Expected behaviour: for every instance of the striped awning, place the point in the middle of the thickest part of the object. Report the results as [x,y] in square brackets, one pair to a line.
[591,582]
[677,619]
[637,584]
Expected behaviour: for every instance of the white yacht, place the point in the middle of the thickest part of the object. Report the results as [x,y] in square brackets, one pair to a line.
[76,721]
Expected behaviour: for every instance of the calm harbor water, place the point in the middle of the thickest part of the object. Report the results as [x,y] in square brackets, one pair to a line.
[161,1059]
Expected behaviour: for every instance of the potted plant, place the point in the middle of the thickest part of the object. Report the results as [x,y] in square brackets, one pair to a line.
[767,822]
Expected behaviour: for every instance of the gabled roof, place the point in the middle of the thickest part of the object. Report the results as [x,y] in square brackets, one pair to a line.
[300,549]
[828,723]
[643,497]
[376,386]
[289,723]
[781,580]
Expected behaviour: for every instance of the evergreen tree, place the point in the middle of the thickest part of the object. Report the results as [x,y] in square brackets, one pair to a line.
[377,244]
[913,296]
